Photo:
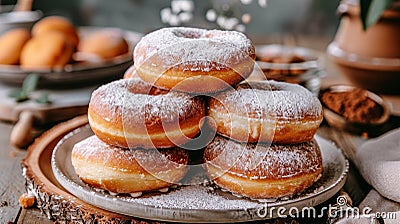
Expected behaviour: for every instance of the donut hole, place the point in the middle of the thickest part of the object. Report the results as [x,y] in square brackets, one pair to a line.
[193,34]
[258,86]
[187,34]
[146,90]
[198,66]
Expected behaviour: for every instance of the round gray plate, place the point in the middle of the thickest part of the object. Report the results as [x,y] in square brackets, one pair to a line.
[198,203]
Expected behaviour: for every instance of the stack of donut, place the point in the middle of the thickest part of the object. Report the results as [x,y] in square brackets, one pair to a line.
[182,79]
[130,152]
[266,147]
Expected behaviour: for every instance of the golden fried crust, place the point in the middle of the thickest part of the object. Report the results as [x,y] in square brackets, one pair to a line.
[263,189]
[146,137]
[126,171]
[262,171]
[266,112]
[130,73]
[181,78]
[245,129]
[194,60]
[132,113]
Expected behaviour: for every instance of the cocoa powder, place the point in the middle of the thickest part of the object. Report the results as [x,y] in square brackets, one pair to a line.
[354,105]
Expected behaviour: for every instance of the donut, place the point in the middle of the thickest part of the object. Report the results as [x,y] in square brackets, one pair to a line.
[104,43]
[45,51]
[194,60]
[130,73]
[266,111]
[57,24]
[263,171]
[120,170]
[11,44]
[132,113]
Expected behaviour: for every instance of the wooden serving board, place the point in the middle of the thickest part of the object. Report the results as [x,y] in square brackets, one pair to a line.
[51,198]
[59,205]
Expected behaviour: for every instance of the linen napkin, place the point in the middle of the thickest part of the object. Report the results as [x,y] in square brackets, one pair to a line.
[378,161]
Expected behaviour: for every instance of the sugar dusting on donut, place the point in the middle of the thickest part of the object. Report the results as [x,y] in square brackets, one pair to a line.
[118,97]
[122,159]
[262,161]
[200,49]
[272,98]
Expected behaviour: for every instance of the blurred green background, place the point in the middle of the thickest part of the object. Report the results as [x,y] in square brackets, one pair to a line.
[280,17]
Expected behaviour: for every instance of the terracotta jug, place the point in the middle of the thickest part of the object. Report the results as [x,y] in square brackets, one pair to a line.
[368,58]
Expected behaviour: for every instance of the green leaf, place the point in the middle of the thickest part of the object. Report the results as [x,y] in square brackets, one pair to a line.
[15,93]
[30,83]
[21,98]
[364,6]
[371,11]
[28,86]
[376,9]
[18,95]
[44,98]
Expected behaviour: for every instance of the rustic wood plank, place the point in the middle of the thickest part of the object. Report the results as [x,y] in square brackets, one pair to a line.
[347,142]
[355,185]
[32,216]
[11,179]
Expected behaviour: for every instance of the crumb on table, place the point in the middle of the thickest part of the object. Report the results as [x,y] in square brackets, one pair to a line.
[26,200]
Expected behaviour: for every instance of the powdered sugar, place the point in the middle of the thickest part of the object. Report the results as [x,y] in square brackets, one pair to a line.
[201,49]
[271,98]
[89,148]
[136,102]
[264,161]
[126,160]
[196,197]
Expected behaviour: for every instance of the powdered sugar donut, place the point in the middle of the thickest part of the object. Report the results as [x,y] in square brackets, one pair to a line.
[266,111]
[132,113]
[194,60]
[263,171]
[130,73]
[127,171]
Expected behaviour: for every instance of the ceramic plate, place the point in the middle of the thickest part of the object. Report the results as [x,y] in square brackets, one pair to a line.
[202,203]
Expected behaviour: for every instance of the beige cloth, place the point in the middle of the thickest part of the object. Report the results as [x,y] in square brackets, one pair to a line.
[378,161]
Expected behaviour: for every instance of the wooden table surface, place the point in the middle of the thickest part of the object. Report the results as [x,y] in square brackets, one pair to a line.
[12,181]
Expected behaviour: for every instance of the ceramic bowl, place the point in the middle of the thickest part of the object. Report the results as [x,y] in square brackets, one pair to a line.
[338,121]
[297,65]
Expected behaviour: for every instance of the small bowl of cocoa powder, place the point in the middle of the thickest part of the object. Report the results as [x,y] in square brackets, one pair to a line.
[353,109]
